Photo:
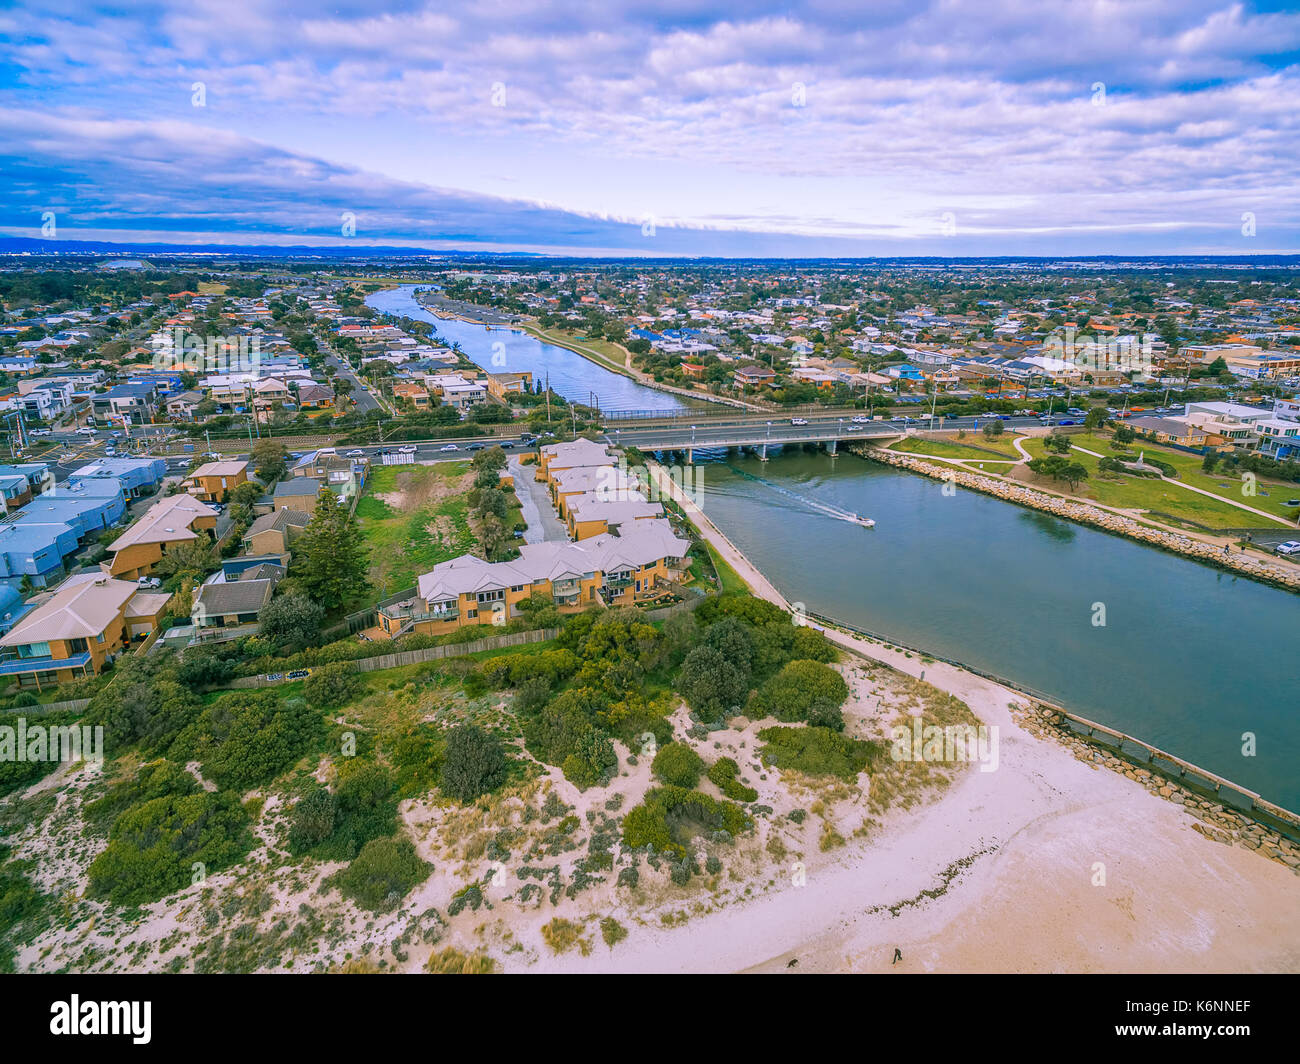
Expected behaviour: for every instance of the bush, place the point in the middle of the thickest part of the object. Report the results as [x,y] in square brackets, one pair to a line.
[714,686]
[312,820]
[473,764]
[382,874]
[818,752]
[668,812]
[679,765]
[331,686]
[153,848]
[723,774]
[797,688]
[292,621]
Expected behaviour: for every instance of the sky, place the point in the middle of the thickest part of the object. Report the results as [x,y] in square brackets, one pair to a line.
[835,128]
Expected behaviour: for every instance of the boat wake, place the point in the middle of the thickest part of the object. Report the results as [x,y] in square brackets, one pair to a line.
[807,503]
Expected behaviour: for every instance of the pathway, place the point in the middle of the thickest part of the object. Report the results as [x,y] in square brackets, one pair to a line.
[535,504]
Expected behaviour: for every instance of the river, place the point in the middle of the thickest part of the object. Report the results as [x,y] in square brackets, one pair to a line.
[576,378]
[1189,658]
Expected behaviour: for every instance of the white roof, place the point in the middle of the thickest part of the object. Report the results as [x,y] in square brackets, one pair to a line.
[82,607]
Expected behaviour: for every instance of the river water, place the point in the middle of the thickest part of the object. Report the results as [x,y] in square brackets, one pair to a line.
[576,378]
[1188,658]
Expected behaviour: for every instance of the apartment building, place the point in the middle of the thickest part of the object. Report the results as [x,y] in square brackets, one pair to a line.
[211,481]
[605,570]
[76,630]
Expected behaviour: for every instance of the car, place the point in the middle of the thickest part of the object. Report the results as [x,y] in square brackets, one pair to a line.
[40,432]
[798,421]
[476,446]
[1068,421]
[356,452]
[519,533]
[148,582]
[506,445]
[110,451]
[526,437]
[218,506]
[448,447]
[1291,546]
[408,449]
[85,430]
[860,419]
[116,435]
[898,417]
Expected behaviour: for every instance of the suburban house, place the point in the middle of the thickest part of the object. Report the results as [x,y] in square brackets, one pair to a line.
[754,375]
[1167,430]
[274,532]
[22,482]
[312,395]
[175,519]
[211,481]
[183,406]
[554,457]
[503,385]
[125,401]
[609,482]
[415,394]
[75,630]
[296,493]
[603,570]
[137,476]
[230,603]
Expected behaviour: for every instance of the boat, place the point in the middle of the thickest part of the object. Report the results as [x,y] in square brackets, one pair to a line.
[865,522]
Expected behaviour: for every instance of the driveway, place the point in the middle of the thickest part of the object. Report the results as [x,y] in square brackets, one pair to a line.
[535,503]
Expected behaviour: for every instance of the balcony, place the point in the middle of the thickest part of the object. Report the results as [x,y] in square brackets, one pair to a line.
[417,610]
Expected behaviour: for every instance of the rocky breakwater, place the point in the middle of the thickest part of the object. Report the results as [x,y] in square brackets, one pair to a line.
[1277,574]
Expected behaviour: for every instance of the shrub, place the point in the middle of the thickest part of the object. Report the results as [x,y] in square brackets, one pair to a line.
[790,694]
[612,931]
[292,621]
[679,765]
[382,874]
[452,961]
[331,686]
[714,687]
[723,773]
[473,764]
[312,820]
[817,751]
[664,819]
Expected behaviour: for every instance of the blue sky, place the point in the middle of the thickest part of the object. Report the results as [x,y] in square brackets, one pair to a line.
[1029,127]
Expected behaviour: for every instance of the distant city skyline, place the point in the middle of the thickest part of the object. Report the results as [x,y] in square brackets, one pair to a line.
[927,129]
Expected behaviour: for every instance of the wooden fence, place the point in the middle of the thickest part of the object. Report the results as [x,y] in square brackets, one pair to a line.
[76,705]
[400,658]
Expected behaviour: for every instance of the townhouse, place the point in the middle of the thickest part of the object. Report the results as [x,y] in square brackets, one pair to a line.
[74,631]
[137,476]
[605,570]
[213,480]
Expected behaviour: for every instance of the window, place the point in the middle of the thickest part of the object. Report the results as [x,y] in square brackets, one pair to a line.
[76,646]
[34,650]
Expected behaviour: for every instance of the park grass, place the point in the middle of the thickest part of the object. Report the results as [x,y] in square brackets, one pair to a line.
[602,352]
[404,542]
[1157,496]
[976,446]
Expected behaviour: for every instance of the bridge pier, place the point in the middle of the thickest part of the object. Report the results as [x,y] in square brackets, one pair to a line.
[690,455]
[831,447]
[762,452]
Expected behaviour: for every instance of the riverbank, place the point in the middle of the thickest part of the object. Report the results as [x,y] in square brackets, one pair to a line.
[1047,864]
[1282,575]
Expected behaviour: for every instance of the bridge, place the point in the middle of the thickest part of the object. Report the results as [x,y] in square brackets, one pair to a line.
[741,430]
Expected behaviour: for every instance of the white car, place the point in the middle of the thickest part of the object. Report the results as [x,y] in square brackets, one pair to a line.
[1291,546]
[449,447]
[356,453]
[861,419]
[798,421]
[148,582]
[41,432]
[85,430]
[408,449]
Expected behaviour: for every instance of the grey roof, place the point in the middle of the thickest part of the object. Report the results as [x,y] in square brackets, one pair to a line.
[297,486]
[279,520]
[241,596]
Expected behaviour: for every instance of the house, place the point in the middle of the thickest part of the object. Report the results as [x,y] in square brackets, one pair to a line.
[503,385]
[603,570]
[273,533]
[610,482]
[76,630]
[133,402]
[183,405]
[415,394]
[754,375]
[553,457]
[22,482]
[137,476]
[175,519]
[1167,430]
[297,493]
[226,604]
[312,395]
[211,481]
[694,370]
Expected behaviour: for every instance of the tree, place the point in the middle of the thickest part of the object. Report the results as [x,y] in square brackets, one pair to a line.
[245,494]
[714,686]
[474,763]
[1074,473]
[1125,434]
[993,429]
[193,558]
[1096,417]
[269,459]
[291,621]
[679,765]
[333,685]
[1058,443]
[332,565]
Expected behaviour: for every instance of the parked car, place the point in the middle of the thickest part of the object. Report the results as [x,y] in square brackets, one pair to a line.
[148,582]
[1291,546]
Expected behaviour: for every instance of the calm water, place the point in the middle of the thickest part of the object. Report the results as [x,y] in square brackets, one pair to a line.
[1189,658]
[571,375]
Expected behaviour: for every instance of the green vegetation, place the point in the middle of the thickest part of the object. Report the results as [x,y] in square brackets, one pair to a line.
[474,763]
[330,557]
[724,774]
[670,816]
[677,764]
[383,873]
[817,751]
[803,691]
[411,518]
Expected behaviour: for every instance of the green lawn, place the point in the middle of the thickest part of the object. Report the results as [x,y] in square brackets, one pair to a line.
[1127,492]
[974,446]
[727,576]
[412,518]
